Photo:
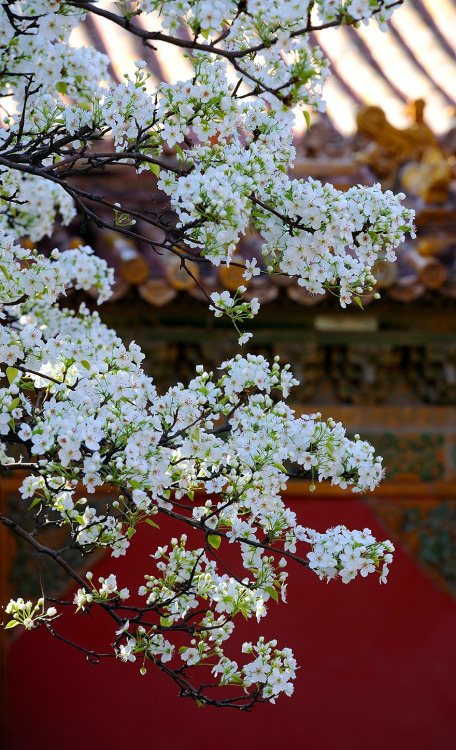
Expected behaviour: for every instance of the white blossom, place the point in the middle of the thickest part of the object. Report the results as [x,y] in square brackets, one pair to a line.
[77,399]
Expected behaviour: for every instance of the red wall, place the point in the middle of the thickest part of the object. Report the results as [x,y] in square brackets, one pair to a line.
[378,666]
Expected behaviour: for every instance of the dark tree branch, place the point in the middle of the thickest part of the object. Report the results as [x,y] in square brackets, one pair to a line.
[192,44]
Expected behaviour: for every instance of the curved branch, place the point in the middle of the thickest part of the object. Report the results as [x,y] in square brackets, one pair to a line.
[212,48]
[92,656]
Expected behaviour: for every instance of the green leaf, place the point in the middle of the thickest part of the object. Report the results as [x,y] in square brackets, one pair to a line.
[85,364]
[61,87]
[165,622]
[5,272]
[130,532]
[151,523]
[35,502]
[183,649]
[214,540]
[179,151]
[11,373]
[358,302]
[272,592]
[307,118]
[155,169]
[27,386]
[12,624]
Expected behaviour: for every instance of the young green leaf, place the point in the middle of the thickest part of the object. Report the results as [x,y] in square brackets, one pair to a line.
[35,502]
[214,540]
[11,374]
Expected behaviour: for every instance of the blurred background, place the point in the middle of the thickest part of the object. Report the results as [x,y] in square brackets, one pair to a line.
[378,663]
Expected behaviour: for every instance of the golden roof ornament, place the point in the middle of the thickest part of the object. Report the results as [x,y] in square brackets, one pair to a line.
[410,157]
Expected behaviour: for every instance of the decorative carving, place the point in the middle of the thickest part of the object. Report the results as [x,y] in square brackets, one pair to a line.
[428,531]
[418,457]
[411,155]
[363,374]
[432,373]
[393,147]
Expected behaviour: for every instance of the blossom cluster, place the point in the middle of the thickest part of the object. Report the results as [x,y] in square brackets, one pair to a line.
[107,591]
[215,454]
[41,54]
[193,576]
[102,423]
[234,308]
[25,274]
[152,645]
[30,204]
[273,669]
[262,19]
[234,170]
[28,614]
[347,553]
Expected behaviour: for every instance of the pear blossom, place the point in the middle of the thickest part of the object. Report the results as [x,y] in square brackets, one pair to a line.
[126,650]
[215,454]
